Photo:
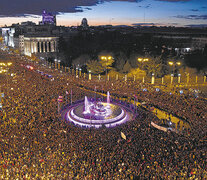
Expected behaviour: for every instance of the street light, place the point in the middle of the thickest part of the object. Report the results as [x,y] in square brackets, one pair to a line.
[174,64]
[80,72]
[170,63]
[142,60]
[76,73]
[172,75]
[89,75]
[59,64]
[55,63]
[106,58]
[179,78]
[153,78]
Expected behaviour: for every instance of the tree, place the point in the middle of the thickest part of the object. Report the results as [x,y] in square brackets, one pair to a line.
[81,60]
[120,60]
[106,60]
[127,67]
[154,66]
[196,59]
[95,67]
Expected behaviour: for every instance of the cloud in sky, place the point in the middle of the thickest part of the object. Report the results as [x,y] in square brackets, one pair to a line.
[195,10]
[146,24]
[174,0]
[193,17]
[196,25]
[15,7]
[103,11]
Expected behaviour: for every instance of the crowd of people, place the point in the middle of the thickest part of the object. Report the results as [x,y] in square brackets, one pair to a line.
[185,106]
[36,143]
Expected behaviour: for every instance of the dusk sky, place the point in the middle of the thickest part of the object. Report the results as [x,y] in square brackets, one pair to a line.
[115,12]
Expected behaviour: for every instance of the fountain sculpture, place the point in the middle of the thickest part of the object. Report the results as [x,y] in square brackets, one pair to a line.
[92,113]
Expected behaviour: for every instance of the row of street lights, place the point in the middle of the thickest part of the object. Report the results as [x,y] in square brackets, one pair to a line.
[57,62]
[173,64]
[141,60]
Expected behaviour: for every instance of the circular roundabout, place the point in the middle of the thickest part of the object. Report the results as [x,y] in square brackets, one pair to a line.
[91,113]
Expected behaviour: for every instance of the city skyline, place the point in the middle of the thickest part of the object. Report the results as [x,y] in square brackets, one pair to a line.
[187,13]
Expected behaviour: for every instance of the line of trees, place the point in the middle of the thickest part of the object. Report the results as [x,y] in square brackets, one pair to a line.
[85,48]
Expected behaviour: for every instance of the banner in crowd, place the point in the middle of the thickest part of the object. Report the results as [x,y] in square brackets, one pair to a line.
[159,127]
[60,99]
[123,135]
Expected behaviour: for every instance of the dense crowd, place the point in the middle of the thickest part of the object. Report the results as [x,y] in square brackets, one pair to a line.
[36,143]
[185,106]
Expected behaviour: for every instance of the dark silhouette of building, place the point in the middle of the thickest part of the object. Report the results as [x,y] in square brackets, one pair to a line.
[84,23]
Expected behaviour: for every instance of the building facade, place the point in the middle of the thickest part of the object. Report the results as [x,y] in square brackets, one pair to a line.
[8,36]
[39,46]
[40,40]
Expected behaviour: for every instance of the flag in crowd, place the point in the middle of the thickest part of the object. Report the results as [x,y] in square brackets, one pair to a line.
[123,135]
[60,99]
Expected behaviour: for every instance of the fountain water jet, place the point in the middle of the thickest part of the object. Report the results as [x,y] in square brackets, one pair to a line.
[97,113]
[108,99]
[86,106]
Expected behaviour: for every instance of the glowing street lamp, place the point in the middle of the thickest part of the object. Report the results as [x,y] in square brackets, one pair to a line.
[139,59]
[170,63]
[179,78]
[172,75]
[106,58]
[142,59]
[59,64]
[89,75]
[174,64]
[178,63]
[76,73]
[153,79]
[9,64]
[80,72]
[55,63]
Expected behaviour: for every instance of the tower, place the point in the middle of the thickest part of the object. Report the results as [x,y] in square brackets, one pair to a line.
[48,18]
[84,23]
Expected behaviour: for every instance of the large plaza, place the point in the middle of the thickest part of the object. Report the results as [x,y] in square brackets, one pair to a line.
[163,138]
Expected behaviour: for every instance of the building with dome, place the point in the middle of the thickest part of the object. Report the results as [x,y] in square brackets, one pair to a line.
[84,23]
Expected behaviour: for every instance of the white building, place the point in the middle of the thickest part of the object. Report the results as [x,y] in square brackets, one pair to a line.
[8,36]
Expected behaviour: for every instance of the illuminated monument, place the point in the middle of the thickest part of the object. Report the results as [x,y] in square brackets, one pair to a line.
[40,40]
[48,19]
[92,113]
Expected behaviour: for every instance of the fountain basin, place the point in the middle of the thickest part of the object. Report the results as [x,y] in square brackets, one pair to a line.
[110,115]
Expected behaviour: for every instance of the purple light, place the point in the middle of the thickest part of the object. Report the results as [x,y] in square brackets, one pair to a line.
[96,117]
[48,18]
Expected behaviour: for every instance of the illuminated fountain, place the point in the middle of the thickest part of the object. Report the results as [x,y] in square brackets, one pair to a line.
[108,97]
[87,107]
[90,113]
